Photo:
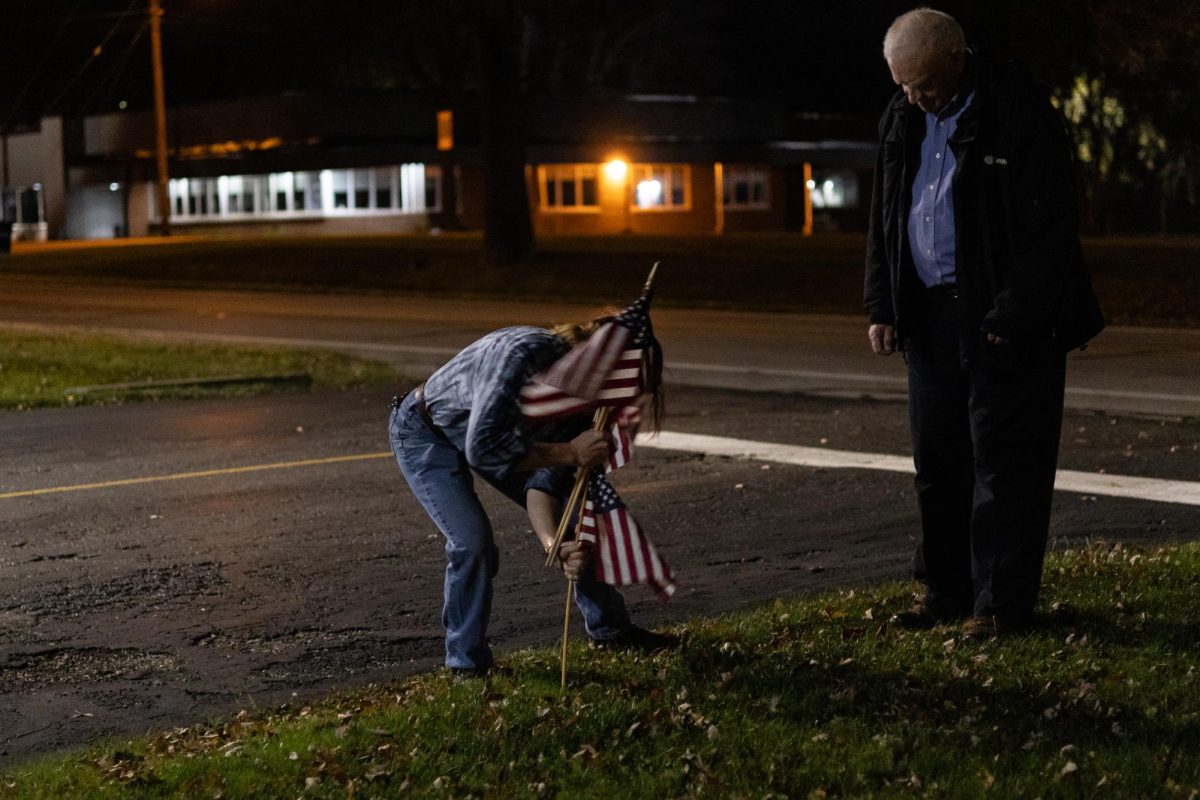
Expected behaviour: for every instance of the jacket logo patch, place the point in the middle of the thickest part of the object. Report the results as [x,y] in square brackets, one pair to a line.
[989,160]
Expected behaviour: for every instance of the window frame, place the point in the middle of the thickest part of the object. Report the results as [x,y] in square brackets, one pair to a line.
[208,199]
[577,173]
[749,172]
[642,172]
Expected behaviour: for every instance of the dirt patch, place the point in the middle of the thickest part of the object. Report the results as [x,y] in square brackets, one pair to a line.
[21,672]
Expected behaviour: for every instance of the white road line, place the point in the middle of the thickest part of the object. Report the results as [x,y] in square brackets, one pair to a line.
[1154,489]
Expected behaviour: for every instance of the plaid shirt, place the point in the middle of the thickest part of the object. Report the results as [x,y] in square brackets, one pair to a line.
[474,398]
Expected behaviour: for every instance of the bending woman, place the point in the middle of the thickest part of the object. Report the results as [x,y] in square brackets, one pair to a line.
[465,418]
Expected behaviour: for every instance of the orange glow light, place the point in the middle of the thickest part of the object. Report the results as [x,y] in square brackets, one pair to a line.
[615,170]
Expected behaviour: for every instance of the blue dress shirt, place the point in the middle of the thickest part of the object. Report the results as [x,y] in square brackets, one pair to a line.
[931,220]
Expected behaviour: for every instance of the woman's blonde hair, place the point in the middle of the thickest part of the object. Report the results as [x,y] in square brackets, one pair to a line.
[574,333]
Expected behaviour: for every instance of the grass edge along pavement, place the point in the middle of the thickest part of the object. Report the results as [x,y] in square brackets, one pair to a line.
[39,371]
[810,698]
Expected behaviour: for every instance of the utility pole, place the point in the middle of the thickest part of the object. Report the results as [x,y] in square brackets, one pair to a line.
[160,116]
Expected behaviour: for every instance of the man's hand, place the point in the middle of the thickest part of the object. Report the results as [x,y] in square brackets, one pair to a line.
[883,339]
[994,339]
[574,558]
[590,449]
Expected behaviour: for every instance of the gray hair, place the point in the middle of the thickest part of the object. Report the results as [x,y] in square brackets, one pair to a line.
[923,30]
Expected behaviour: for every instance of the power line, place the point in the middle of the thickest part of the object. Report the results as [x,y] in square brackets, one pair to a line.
[105,95]
[97,51]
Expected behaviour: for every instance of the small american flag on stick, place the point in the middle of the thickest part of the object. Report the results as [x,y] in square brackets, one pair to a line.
[606,370]
[625,554]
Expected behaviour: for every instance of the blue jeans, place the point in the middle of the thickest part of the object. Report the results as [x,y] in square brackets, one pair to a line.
[444,486]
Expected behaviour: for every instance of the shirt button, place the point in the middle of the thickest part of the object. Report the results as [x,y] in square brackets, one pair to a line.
[931,187]
[942,122]
[937,155]
[929,219]
[929,252]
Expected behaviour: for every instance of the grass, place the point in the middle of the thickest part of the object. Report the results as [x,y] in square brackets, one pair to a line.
[1146,280]
[813,698]
[37,370]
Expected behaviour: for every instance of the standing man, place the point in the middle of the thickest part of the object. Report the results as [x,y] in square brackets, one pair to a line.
[974,270]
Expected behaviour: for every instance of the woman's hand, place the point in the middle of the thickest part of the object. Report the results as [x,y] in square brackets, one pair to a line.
[629,418]
[590,449]
[574,558]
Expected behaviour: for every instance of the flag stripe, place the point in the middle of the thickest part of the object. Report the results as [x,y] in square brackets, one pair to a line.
[587,529]
[622,448]
[609,556]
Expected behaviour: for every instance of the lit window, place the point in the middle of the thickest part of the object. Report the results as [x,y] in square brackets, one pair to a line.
[747,188]
[362,189]
[340,179]
[661,187]
[404,189]
[279,186]
[569,187]
[249,193]
[649,193]
[306,192]
[834,190]
[383,187]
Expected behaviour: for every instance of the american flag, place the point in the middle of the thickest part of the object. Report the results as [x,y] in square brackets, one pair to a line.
[626,555]
[606,370]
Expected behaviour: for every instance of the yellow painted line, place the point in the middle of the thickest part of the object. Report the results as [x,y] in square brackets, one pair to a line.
[181,476]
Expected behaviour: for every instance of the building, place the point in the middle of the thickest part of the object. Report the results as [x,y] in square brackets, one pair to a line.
[32,182]
[311,164]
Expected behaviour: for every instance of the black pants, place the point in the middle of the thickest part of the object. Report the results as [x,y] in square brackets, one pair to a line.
[985,424]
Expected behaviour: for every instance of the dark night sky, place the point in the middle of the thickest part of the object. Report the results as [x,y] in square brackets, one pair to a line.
[817,56]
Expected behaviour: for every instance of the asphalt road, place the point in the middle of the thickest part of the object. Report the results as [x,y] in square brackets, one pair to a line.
[1131,370]
[141,604]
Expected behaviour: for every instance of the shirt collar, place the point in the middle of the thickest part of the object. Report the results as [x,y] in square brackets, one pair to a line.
[956,105]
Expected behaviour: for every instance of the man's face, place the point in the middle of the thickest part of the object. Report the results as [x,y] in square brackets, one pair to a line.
[930,81]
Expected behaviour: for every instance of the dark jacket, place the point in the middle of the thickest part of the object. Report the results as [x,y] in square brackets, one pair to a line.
[1019,267]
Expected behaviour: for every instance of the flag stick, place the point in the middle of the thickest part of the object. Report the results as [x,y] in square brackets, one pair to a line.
[598,422]
[650,278]
[567,609]
[552,550]
[566,627]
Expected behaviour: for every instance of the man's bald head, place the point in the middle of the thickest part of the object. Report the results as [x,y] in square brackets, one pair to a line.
[925,51]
